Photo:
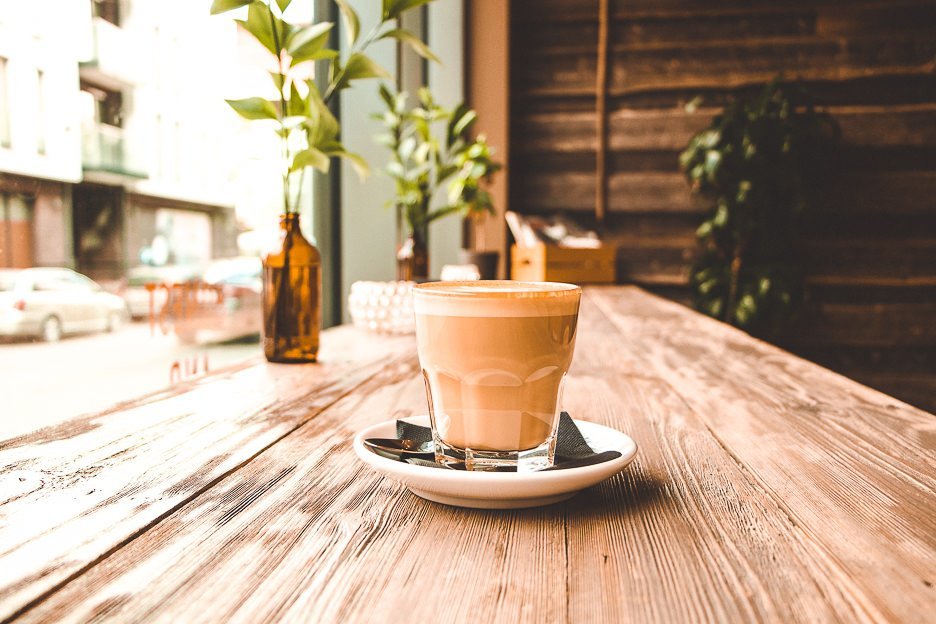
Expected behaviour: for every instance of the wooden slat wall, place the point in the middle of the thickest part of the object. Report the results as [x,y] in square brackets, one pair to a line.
[872,243]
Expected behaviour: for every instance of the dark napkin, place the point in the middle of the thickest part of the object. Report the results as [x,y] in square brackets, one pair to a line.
[572,451]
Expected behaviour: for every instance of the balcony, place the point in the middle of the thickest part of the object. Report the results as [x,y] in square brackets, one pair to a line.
[112,60]
[104,155]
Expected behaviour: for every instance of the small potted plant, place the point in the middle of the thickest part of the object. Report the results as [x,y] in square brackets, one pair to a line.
[761,162]
[422,163]
[309,138]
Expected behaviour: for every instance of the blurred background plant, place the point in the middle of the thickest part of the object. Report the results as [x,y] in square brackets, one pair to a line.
[309,131]
[421,164]
[761,161]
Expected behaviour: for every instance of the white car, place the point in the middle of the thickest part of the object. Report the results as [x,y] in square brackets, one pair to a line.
[49,302]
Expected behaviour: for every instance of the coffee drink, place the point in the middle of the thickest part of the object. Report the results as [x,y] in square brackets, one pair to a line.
[494,356]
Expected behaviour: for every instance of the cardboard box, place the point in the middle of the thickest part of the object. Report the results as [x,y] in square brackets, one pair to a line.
[549,263]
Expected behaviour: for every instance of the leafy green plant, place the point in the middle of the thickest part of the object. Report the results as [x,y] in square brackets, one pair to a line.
[761,161]
[421,162]
[309,132]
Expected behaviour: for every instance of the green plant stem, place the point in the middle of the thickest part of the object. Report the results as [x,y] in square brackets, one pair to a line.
[302,174]
[284,135]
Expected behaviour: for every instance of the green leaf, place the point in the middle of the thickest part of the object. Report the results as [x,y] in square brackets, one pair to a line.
[359,67]
[721,216]
[395,170]
[323,127]
[357,162]
[278,80]
[421,154]
[406,148]
[296,105]
[417,44]
[746,309]
[310,157]
[441,212]
[282,4]
[254,108]
[393,8]
[386,96]
[713,160]
[693,105]
[351,22]
[464,123]
[307,42]
[221,6]
[259,23]
[764,286]
[707,286]
[714,308]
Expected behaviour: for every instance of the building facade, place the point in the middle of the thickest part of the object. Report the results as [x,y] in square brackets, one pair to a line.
[116,146]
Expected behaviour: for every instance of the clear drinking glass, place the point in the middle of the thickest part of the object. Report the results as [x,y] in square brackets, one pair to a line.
[494,356]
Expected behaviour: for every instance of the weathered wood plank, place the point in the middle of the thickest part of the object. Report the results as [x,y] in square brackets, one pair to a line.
[304,533]
[892,260]
[899,125]
[92,484]
[571,25]
[547,191]
[867,192]
[570,11]
[565,29]
[567,71]
[876,18]
[827,448]
[686,491]
[867,324]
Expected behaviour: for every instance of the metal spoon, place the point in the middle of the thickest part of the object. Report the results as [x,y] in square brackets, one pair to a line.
[393,448]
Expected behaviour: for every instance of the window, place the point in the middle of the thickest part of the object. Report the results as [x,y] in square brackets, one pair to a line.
[40,112]
[16,237]
[53,282]
[108,10]
[4,105]
[164,238]
[108,104]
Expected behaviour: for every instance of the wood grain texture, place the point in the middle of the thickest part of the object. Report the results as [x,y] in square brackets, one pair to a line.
[855,193]
[841,459]
[90,485]
[778,492]
[670,129]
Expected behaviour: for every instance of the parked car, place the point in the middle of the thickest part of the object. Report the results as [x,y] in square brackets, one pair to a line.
[50,302]
[138,296]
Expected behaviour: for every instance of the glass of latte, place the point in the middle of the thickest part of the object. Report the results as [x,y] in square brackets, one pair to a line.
[494,356]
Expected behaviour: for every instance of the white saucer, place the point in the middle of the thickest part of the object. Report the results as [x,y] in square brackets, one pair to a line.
[499,490]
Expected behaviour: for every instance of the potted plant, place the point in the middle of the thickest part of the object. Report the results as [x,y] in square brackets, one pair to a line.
[309,138]
[761,162]
[421,163]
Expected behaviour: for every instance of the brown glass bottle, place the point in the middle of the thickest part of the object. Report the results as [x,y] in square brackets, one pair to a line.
[292,297]
[413,259]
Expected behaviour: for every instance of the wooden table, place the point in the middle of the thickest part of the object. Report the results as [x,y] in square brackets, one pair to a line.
[766,488]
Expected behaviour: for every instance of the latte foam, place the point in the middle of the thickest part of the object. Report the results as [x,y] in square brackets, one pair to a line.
[496,298]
